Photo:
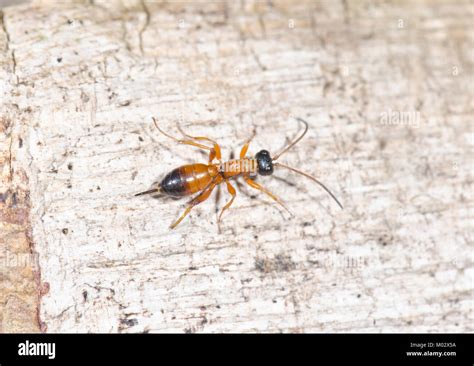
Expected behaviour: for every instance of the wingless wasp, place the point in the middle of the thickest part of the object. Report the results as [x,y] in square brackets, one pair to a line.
[203,178]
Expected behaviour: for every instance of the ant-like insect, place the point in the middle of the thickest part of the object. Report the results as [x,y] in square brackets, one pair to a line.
[203,178]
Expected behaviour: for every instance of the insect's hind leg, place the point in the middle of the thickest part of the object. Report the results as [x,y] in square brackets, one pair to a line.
[179,141]
[204,195]
[255,185]
[215,150]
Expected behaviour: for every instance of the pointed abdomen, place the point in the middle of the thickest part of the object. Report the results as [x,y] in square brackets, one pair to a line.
[187,180]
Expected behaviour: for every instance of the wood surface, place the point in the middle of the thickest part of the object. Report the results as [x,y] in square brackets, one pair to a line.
[387,90]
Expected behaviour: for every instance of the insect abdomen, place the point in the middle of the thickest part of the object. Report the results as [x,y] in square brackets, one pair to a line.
[186,180]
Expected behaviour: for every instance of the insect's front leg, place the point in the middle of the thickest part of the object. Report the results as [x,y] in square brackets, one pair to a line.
[255,185]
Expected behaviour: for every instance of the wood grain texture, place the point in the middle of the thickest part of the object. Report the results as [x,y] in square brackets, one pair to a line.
[387,90]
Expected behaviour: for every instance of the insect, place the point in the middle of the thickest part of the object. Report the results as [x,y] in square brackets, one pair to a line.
[203,178]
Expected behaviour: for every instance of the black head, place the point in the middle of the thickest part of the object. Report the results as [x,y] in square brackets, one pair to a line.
[265,162]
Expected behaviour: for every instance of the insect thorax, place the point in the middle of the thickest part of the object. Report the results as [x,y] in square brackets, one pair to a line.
[238,166]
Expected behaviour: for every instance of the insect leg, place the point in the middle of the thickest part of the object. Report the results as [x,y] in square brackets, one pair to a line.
[231,190]
[179,141]
[255,185]
[214,154]
[201,197]
[243,152]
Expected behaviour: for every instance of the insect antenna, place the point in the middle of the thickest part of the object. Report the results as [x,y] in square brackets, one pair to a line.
[295,141]
[312,178]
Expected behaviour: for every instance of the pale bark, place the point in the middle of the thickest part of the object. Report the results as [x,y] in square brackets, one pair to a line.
[79,86]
